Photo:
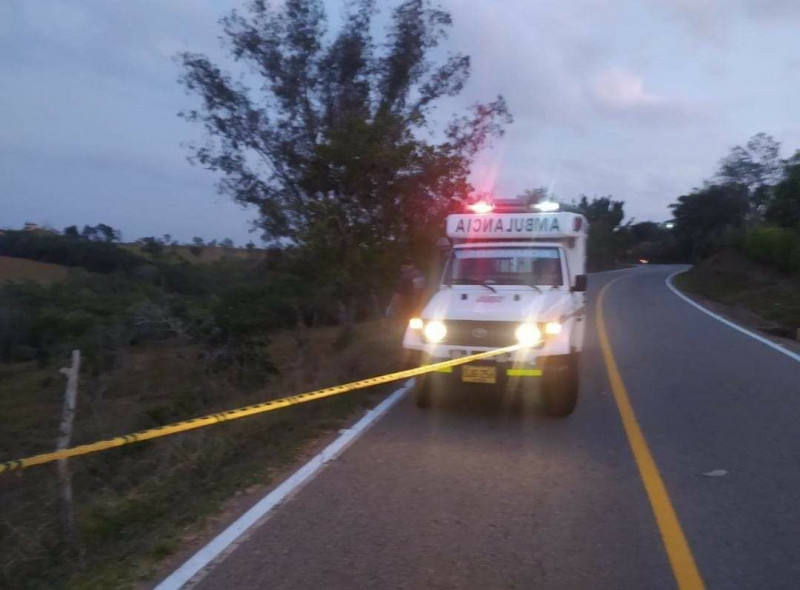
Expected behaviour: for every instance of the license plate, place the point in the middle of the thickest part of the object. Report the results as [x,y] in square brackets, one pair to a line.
[472,374]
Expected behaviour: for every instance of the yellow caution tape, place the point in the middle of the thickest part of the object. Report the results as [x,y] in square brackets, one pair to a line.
[261,408]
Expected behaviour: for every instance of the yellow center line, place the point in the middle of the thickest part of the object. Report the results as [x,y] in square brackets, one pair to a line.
[680,555]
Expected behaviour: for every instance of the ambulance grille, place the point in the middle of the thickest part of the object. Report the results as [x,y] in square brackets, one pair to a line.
[478,333]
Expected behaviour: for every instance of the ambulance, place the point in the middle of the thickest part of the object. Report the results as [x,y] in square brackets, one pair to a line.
[515,273]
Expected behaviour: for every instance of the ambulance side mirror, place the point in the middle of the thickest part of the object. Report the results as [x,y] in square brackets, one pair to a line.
[580,284]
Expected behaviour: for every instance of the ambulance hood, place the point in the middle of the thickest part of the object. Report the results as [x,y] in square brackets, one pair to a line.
[508,304]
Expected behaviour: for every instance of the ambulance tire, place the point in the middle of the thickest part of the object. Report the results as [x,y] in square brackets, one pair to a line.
[422,392]
[560,386]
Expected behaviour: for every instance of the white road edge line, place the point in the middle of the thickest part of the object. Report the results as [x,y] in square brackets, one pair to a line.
[778,347]
[226,538]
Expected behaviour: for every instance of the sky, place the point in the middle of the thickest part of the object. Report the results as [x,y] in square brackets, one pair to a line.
[638,99]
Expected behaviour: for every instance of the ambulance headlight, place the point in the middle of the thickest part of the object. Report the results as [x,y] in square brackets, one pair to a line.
[529,334]
[552,328]
[434,331]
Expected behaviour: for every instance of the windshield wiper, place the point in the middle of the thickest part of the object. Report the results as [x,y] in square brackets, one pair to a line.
[468,281]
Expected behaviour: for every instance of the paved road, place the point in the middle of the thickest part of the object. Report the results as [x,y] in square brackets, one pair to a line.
[472,496]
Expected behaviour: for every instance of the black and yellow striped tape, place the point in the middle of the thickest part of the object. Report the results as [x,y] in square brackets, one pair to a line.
[261,408]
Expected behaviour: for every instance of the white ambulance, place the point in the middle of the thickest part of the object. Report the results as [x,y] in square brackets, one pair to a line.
[515,274]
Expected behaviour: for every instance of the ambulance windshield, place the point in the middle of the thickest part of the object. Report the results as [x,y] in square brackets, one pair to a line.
[505,266]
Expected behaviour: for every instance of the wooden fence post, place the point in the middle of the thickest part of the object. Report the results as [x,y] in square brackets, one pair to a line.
[64,438]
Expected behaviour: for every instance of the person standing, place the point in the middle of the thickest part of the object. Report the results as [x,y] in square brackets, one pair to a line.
[408,293]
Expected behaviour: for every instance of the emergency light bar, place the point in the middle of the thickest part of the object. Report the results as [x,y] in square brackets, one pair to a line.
[511,206]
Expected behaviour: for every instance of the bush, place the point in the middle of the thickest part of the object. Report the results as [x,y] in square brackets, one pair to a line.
[90,312]
[774,246]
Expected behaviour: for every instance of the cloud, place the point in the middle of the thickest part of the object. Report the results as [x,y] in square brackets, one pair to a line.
[620,93]
[623,90]
[772,9]
[711,21]
[703,18]
[89,121]
[636,99]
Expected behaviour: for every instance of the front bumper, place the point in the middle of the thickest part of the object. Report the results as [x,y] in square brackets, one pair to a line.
[510,374]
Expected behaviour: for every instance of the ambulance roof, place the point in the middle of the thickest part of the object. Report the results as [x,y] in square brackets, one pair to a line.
[530,226]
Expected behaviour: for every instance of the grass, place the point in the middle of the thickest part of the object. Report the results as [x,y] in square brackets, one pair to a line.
[21,269]
[135,504]
[733,280]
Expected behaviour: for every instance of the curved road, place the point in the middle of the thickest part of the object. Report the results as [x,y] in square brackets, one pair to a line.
[469,495]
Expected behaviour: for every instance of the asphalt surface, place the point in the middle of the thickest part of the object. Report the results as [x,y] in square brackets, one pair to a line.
[472,495]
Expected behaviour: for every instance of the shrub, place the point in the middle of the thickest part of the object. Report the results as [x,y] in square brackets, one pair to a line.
[774,246]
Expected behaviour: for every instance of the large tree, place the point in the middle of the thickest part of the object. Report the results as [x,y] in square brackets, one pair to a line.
[705,218]
[755,166]
[605,216]
[784,207]
[331,136]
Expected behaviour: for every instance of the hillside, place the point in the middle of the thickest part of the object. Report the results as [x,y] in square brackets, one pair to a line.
[755,294]
[165,334]
[21,269]
[137,505]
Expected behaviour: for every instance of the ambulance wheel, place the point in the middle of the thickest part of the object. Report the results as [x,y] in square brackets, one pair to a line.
[560,385]
[422,392]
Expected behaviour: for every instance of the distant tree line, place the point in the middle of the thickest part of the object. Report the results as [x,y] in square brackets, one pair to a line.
[752,203]
[93,249]
[97,233]
[612,242]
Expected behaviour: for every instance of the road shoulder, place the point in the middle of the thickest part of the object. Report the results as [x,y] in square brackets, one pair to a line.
[739,317]
[198,537]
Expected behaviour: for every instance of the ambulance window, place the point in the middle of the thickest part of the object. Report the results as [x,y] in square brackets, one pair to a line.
[505,266]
